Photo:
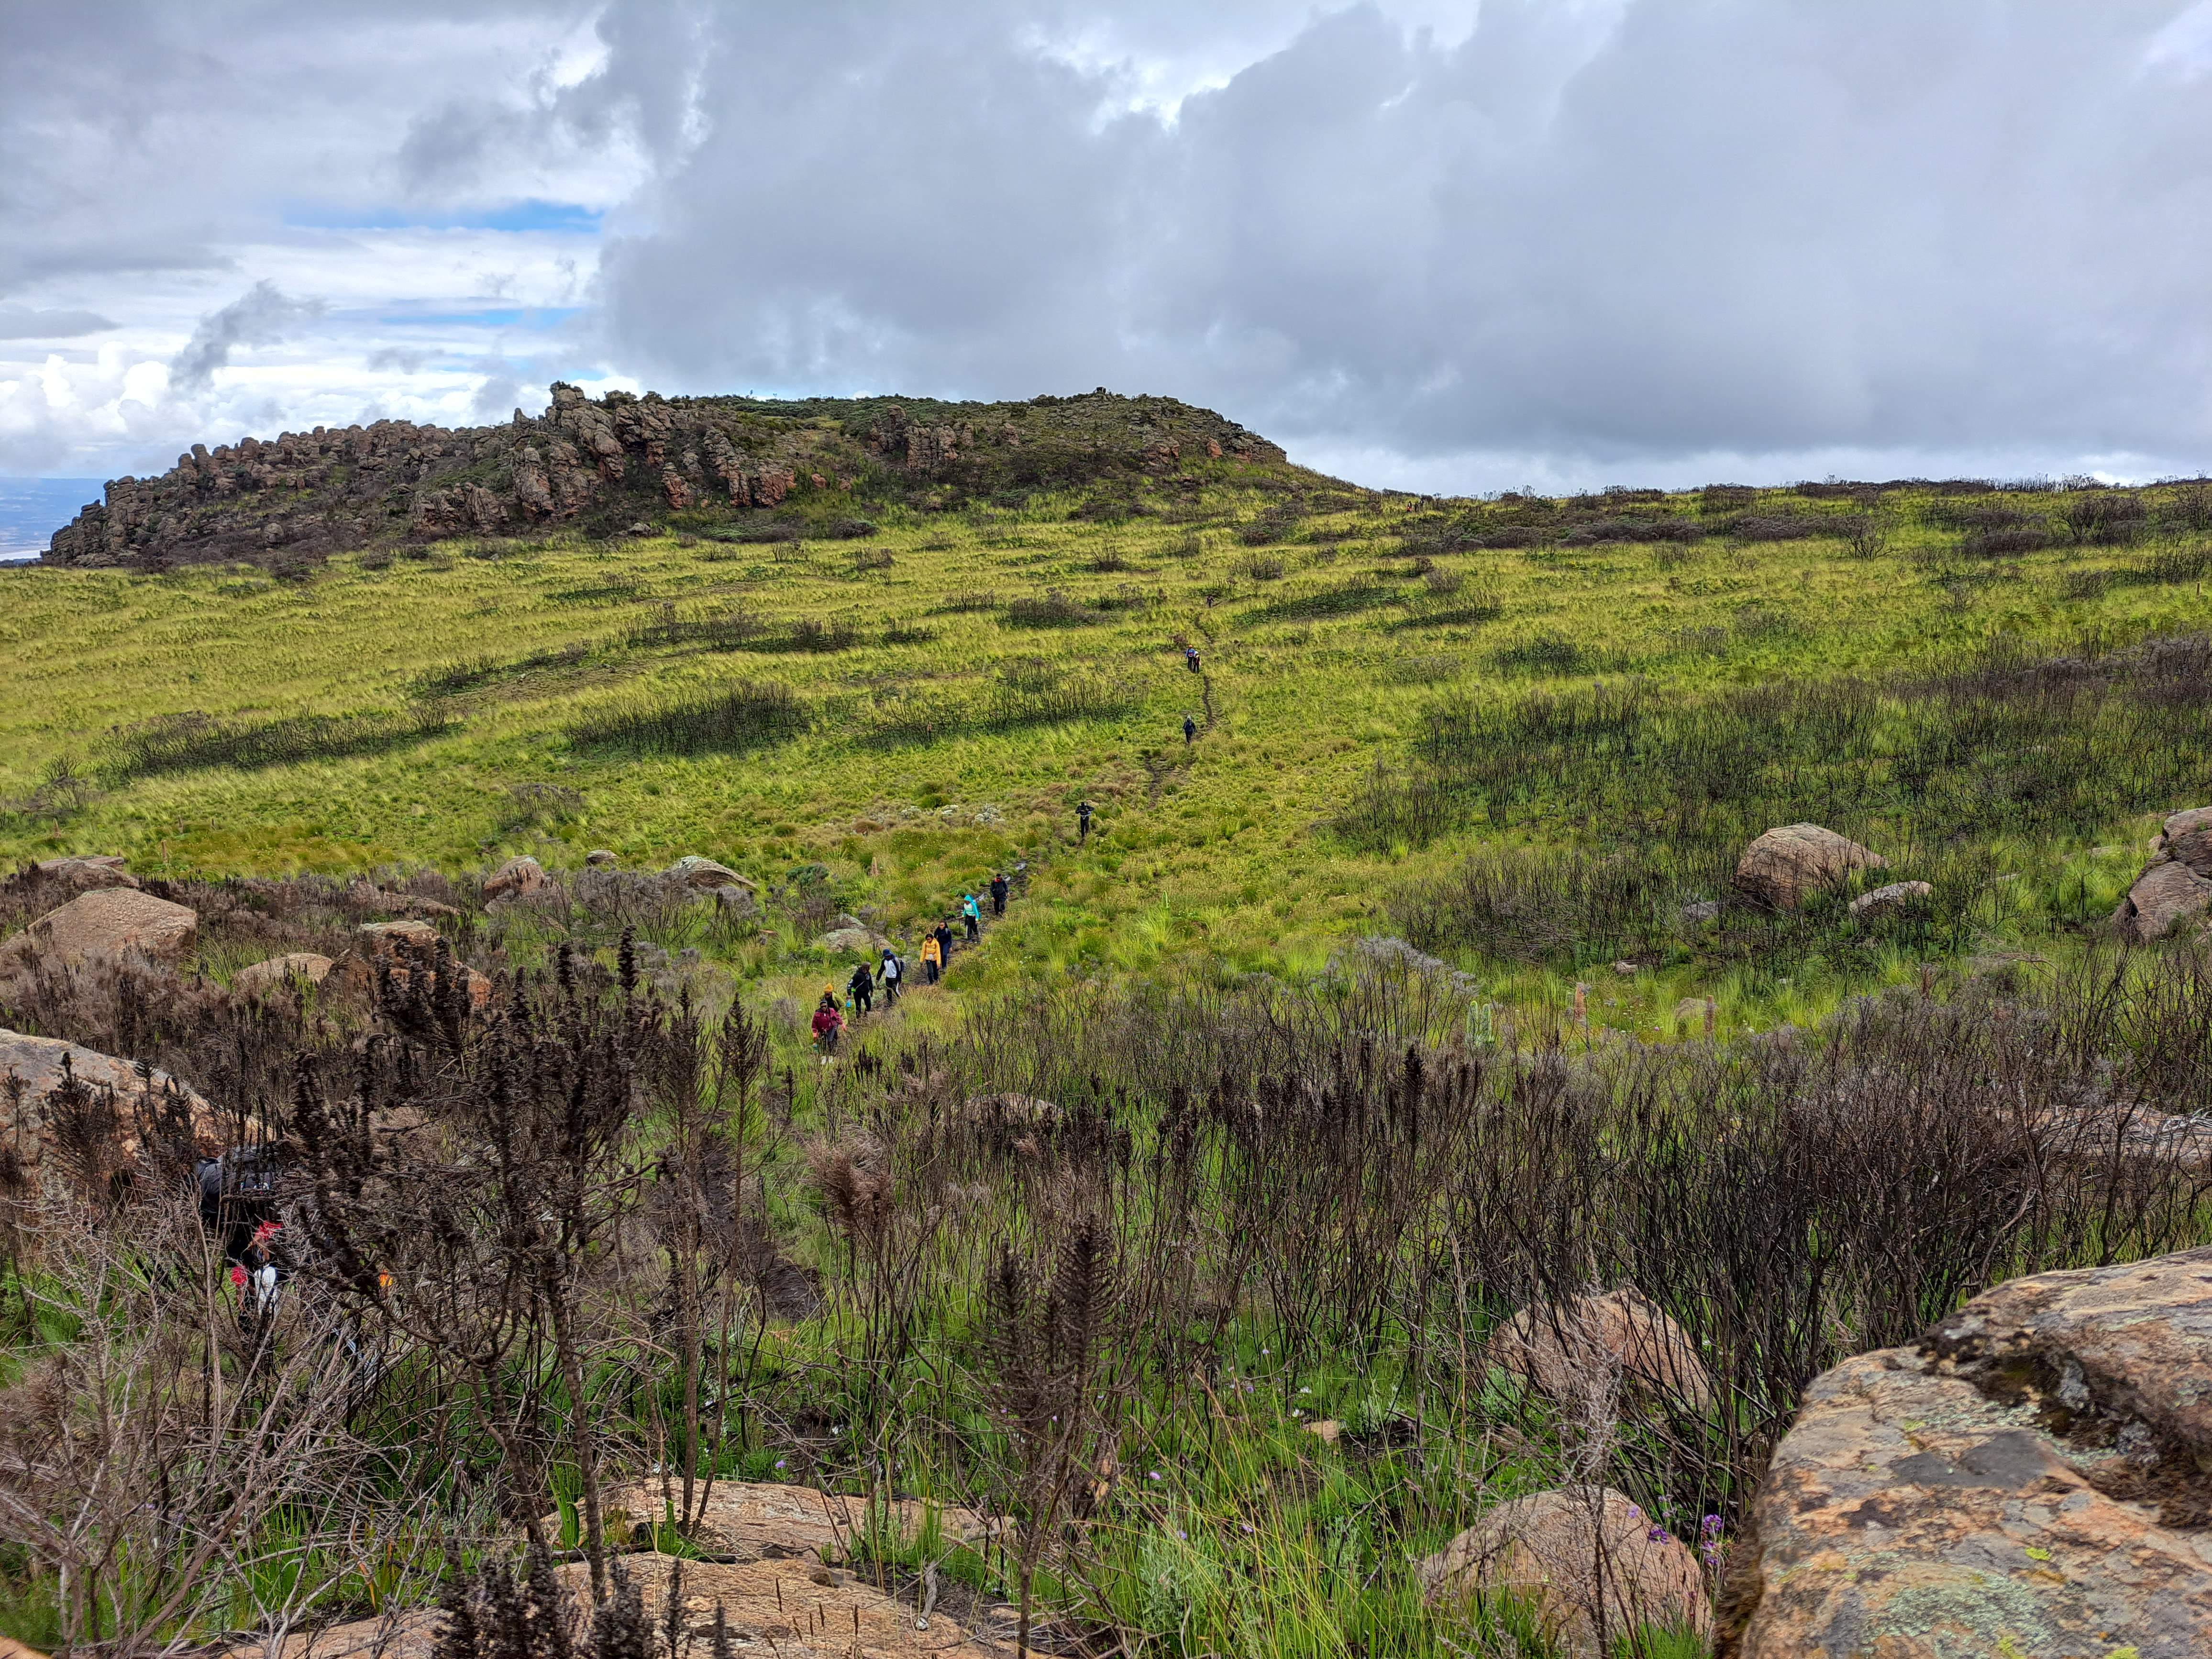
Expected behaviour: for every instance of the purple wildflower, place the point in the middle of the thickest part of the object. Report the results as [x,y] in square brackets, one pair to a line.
[1654,1534]
[1712,1526]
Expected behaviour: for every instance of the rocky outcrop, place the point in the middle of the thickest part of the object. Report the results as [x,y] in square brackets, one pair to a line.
[2030,1478]
[2176,886]
[35,1100]
[1602,1343]
[1786,867]
[108,925]
[1590,1566]
[603,463]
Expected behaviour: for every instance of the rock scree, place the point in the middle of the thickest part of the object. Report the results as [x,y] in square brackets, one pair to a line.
[2031,1477]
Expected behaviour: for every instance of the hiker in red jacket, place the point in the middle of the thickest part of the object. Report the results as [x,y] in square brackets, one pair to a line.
[828,1022]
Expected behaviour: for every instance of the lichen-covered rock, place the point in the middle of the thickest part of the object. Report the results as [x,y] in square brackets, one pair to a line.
[107,925]
[1587,1563]
[1600,1342]
[2176,885]
[2029,1478]
[260,978]
[1786,867]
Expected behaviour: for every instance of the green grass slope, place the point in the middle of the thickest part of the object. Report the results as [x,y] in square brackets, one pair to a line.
[1522,733]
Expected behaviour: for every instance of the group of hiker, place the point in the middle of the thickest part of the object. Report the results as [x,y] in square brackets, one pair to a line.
[889,975]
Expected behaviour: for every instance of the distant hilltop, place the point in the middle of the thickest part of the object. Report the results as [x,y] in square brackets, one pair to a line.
[605,464]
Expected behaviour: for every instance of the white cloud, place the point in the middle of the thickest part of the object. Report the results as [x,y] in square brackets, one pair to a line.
[1470,245]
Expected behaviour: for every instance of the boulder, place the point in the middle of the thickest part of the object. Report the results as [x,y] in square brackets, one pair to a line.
[1786,867]
[38,1064]
[1603,1341]
[1880,902]
[754,1519]
[260,978]
[776,1605]
[88,872]
[2030,1478]
[519,876]
[601,858]
[1588,1565]
[851,933]
[2176,885]
[403,943]
[693,871]
[395,938]
[106,924]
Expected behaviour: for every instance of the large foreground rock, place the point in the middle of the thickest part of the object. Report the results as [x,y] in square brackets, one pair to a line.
[105,925]
[2031,1478]
[27,1129]
[2176,885]
[405,945]
[703,873]
[1586,1562]
[1598,1344]
[1786,867]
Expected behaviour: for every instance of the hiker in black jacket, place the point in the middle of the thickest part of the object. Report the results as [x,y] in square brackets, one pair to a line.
[1083,822]
[862,985]
[1000,888]
[1189,730]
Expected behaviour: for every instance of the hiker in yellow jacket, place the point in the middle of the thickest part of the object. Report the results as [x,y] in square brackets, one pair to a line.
[932,958]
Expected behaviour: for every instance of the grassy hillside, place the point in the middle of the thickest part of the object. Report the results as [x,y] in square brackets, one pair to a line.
[1571,691]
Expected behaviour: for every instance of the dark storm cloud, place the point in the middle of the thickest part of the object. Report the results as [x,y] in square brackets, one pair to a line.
[1747,225]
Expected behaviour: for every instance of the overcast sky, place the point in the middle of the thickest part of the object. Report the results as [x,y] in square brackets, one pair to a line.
[1459,247]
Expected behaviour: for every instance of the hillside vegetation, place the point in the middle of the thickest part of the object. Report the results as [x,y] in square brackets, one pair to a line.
[1531,736]
[1393,1115]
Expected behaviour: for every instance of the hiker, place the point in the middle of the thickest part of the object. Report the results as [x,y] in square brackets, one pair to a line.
[862,985]
[972,914]
[892,971]
[1083,822]
[1000,888]
[237,1201]
[1190,658]
[932,958]
[828,1022]
[1189,730]
[945,942]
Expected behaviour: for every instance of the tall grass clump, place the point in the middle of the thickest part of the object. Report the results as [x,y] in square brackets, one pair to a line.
[727,720]
[187,742]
